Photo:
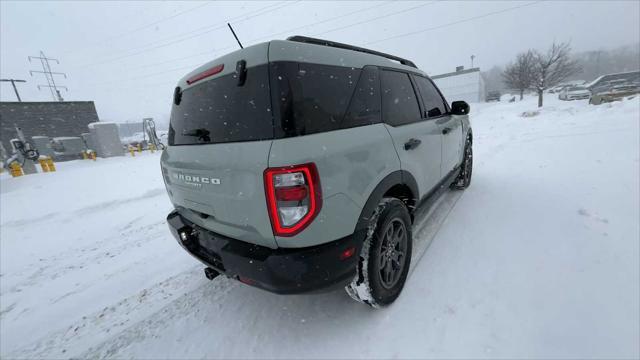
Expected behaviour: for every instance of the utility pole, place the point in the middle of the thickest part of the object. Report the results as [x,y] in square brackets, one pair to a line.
[13,83]
[472,57]
[49,76]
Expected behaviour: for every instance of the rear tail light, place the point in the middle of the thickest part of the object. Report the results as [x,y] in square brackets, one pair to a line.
[294,197]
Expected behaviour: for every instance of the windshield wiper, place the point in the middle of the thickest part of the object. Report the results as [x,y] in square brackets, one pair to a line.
[201,134]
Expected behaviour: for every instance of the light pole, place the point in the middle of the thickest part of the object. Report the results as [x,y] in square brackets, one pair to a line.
[13,83]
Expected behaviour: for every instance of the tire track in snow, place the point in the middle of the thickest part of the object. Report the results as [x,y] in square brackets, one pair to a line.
[115,319]
[138,332]
[52,268]
[430,220]
[84,211]
[115,325]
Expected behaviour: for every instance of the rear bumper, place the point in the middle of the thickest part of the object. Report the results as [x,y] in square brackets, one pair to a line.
[282,271]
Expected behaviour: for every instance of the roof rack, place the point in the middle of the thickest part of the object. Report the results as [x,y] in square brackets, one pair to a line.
[315,41]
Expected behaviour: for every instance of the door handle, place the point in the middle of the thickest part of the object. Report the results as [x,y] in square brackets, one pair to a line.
[445,131]
[412,144]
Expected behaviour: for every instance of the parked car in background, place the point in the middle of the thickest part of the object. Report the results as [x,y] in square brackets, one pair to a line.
[606,82]
[617,92]
[493,96]
[578,92]
[555,89]
[558,88]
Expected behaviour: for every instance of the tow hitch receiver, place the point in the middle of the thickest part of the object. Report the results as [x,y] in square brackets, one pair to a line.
[210,273]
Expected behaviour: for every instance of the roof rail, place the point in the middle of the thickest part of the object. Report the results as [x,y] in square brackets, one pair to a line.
[315,41]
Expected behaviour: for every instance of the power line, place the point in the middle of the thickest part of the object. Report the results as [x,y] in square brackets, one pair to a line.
[375,18]
[146,66]
[267,36]
[206,29]
[49,76]
[359,23]
[323,21]
[452,23]
[252,40]
[210,29]
[141,27]
[120,81]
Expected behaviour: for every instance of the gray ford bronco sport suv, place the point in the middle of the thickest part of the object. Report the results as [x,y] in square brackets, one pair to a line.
[296,166]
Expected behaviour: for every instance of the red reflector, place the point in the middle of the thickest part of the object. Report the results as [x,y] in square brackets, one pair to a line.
[347,253]
[293,193]
[214,70]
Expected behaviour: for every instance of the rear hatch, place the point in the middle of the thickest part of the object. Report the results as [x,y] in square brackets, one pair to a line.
[220,134]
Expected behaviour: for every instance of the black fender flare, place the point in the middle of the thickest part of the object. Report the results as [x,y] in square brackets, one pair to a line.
[398,177]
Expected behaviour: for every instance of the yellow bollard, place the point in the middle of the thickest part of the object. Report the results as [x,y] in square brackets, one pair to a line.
[50,164]
[92,155]
[131,151]
[139,147]
[43,164]
[84,155]
[15,169]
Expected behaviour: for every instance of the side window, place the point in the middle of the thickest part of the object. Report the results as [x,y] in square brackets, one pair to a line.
[433,102]
[399,102]
[365,103]
[310,98]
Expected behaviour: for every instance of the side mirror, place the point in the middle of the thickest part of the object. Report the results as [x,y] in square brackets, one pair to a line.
[460,108]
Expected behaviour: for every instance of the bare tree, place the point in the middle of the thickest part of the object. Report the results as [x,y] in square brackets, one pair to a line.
[519,74]
[553,67]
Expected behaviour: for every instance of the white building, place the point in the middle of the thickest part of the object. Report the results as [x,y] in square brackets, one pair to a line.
[462,84]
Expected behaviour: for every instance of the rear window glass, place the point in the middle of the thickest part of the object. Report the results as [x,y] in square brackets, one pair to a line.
[220,111]
[311,98]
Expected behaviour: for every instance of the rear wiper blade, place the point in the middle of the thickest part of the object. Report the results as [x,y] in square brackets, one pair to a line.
[201,134]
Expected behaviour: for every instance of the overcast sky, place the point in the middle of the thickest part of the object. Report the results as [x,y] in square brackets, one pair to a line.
[127,56]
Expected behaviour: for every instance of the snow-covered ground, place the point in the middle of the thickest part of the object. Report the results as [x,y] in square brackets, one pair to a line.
[540,257]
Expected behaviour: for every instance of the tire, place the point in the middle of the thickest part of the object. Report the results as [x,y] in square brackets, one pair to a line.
[383,269]
[463,180]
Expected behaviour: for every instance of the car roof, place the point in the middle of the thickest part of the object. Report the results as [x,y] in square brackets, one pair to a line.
[296,51]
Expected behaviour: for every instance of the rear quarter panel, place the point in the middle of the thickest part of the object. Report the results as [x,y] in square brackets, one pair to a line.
[351,163]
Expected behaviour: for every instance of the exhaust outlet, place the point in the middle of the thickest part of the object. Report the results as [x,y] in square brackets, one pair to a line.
[210,273]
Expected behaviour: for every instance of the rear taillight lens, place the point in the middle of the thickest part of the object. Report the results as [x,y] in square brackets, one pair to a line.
[205,74]
[294,197]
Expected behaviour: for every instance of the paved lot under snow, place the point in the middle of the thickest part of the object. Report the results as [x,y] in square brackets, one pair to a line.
[538,258]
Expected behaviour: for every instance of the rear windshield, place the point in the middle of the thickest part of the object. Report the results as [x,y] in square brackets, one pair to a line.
[307,98]
[220,111]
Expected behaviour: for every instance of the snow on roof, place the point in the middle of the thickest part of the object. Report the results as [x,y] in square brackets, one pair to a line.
[93,124]
[602,77]
[66,138]
[455,73]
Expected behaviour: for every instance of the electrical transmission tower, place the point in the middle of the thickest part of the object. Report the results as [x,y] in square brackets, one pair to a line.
[13,83]
[49,76]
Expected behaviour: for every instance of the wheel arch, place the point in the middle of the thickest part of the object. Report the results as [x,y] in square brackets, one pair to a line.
[399,184]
